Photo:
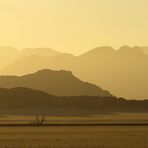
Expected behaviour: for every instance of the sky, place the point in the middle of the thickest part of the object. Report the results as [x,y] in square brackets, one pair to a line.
[73,26]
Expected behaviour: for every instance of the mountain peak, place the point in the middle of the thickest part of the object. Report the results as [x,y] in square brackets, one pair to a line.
[49,72]
[99,51]
[46,52]
[136,50]
[103,49]
[59,83]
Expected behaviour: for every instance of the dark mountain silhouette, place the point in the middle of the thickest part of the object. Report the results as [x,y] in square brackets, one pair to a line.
[22,97]
[59,83]
[18,101]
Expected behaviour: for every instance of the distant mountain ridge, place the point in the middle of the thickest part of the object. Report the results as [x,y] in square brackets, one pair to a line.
[9,55]
[46,52]
[59,83]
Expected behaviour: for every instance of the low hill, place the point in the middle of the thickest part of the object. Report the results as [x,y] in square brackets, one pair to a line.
[25,101]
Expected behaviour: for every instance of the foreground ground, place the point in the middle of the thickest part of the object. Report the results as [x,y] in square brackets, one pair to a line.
[74,137]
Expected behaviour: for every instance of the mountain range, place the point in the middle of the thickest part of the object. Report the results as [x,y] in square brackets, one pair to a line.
[123,72]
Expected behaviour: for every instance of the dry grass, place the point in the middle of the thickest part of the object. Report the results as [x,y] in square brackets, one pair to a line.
[74,137]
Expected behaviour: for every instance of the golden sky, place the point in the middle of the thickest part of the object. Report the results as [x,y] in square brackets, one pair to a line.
[73,25]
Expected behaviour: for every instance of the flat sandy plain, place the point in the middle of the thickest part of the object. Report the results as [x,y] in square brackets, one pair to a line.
[75,136]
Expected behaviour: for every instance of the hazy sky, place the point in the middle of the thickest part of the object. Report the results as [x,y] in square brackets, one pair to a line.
[73,25]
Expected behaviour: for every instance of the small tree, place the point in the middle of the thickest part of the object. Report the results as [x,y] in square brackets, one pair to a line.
[38,121]
[42,121]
